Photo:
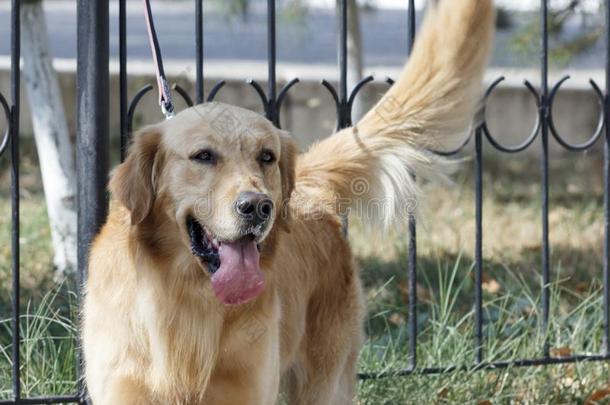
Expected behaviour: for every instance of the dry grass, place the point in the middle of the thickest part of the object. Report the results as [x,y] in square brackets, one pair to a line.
[512,230]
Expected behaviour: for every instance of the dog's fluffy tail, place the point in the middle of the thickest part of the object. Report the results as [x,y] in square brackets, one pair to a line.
[370,165]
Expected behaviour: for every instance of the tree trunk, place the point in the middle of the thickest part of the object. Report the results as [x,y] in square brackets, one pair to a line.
[55,151]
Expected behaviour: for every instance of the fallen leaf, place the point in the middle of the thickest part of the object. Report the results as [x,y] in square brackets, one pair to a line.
[573,189]
[491,377]
[403,287]
[442,393]
[566,382]
[397,319]
[563,351]
[423,294]
[533,246]
[597,396]
[491,286]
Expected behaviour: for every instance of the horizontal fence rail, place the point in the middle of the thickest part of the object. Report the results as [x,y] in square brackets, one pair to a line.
[93,152]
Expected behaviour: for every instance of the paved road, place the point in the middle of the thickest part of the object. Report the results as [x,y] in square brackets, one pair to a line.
[310,40]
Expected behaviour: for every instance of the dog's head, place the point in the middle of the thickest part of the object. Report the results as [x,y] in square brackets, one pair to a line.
[221,177]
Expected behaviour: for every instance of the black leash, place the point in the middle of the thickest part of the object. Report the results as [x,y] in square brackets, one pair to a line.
[165,95]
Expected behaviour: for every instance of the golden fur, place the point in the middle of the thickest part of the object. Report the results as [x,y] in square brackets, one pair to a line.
[153,330]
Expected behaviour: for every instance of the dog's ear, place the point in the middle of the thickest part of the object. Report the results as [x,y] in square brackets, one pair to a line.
[133,183]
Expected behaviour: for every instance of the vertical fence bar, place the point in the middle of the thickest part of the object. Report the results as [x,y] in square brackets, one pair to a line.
[412,249]
[199,90]
[412,284]
[123,76]
[544,109]
[92,138]
[343,97]
[343,119]
[478,254]
[411,26]
[92,125]
[271,64]
[14,133]
[606,269]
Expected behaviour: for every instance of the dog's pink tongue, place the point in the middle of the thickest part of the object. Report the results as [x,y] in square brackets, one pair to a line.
[239,277]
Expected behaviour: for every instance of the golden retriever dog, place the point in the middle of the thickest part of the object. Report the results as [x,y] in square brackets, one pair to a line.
[223,275]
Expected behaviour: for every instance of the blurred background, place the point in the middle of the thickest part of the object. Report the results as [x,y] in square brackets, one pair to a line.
[235,50]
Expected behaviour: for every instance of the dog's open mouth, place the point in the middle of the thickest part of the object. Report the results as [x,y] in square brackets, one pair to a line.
[234,266]
[204,245]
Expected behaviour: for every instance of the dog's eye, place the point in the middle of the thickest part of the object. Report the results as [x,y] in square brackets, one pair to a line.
[204,156]
[266,157]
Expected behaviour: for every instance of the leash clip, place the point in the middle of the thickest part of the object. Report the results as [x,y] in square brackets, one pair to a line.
[165,101]
[169,113]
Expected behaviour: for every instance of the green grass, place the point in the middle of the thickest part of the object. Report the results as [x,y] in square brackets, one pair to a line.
[512,331]
[512,251]
[48,349]
[446,338]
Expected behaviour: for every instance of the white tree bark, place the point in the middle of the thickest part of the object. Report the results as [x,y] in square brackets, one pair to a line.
[55,151]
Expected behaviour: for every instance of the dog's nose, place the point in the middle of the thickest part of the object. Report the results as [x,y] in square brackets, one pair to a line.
[254,207]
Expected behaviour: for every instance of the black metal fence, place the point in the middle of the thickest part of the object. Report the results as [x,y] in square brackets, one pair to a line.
[93,163]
